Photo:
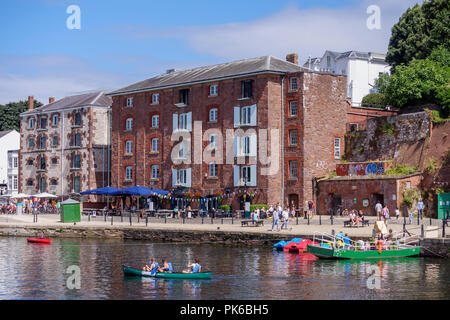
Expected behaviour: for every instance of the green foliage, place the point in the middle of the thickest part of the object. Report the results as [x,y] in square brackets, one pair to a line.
[436,117]
[225,207]
[374,100]
[422,81]
[9,114]
[388,128]
[410,196]
[419,30]
[332,174]
[401,170]
[253,207]
[431,165]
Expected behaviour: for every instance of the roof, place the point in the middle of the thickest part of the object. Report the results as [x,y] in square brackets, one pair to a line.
[4,133]
[97,98]
[213,73]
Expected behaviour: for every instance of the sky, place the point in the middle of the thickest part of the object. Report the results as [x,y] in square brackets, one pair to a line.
[120,42]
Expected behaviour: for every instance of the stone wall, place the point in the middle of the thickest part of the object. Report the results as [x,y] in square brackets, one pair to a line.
[441,247]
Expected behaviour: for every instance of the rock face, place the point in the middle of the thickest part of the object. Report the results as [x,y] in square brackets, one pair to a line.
[389,138]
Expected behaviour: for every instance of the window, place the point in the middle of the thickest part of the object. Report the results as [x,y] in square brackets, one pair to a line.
[53,182]
[293,172]
[55,141]
[213,90]
[328,61]
[182,153]
[128,147]
[15,162]
[42,184]
[129,102]
[183,121]
[76,184]
[337,148]
[29,183]
[155,121]
[293,84]
[55,120]
[129,124]
[246,146]
[247,88]
[155,98]
[15,182]
[246,174]
[77,140]
[76,161]
[246,116]
[77,119]
[128,173]
[293,108]
[155,145]
[293,138]
[9,162]
[54,160]
[184,96]
[182,176]
[30,162]
[42,143]
[213,141]
[213,169]
[213,115]
[43,123]
[30,143]
[155,172]
[353,127]
[31,123]
[42,163]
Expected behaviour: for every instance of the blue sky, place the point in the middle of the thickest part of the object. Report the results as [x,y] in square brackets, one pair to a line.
[121,42]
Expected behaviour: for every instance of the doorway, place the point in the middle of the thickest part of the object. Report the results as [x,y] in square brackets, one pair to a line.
[375,198]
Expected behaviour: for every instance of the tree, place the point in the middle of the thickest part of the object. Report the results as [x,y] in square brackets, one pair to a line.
[422,81]
[419,30]
[374,100]
[10,114]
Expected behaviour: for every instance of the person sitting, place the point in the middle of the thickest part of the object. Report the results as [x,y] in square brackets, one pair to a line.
[165,266]
[41,235]
[347,241]
[193,267]
[153,267]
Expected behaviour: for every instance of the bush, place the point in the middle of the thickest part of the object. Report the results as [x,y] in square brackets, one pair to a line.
[410,196]
[225,207]
[253,207]
[401,171]
[374,100]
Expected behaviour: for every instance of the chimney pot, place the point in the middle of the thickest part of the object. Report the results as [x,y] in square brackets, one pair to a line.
[292,58]
[51,99]
[30,102]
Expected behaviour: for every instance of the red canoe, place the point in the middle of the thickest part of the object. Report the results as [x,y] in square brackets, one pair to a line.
[37,240]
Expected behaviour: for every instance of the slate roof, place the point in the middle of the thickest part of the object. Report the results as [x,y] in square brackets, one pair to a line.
[4,133]
[266,64]
[97,98]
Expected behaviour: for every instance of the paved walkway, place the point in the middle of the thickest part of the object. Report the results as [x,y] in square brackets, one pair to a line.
[227,225]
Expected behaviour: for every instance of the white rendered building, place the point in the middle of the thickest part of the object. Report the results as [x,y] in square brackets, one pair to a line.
[361,69]
[9,141]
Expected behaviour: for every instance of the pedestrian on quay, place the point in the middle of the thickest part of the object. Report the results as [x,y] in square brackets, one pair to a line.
[285,219]
[378,208]
[276,219]
[420,207]
[397,213]
[385,214]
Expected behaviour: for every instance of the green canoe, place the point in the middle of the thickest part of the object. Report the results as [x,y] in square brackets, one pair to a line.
[128,271]
[332,253]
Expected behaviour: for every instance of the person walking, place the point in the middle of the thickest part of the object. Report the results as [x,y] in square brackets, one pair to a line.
[378,208]
[285,219]
[385,214]
[420,207]
[276,219]
[397,213]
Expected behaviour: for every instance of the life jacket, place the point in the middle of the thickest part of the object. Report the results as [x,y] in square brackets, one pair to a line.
[153,271]
[195,268]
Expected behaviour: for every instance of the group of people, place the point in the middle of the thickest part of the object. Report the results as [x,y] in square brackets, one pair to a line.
[356,217]
[278,214]
[166,267]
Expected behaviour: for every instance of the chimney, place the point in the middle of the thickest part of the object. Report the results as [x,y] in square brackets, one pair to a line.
[292,58]
[30,102]
[51,99]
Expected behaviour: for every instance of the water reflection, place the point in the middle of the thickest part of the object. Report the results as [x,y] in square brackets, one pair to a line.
[39,272]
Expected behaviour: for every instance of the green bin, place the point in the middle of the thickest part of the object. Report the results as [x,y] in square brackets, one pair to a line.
[70,211]
[443,205]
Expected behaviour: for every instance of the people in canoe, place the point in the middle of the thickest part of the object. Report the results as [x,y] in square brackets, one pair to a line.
[41,235]
[153,267]
[193,267]
[165,266]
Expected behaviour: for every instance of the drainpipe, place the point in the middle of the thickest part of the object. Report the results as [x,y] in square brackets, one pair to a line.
[282,140]
[61,162]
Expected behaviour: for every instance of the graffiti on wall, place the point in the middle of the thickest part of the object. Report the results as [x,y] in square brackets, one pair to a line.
[360,169]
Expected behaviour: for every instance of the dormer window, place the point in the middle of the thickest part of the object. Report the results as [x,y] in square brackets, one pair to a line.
[184,96]
[247,89]
[77,120]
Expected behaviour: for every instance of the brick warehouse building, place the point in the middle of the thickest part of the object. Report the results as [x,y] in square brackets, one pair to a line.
[65,145]
[307,108]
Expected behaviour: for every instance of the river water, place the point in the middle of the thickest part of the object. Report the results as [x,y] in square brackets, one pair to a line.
[33,271]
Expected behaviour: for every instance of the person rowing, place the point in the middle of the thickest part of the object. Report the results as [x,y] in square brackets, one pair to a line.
[193,267]
[165,267]
[153,267]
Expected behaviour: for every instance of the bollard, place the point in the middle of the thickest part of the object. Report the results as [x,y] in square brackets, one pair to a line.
[444,222]
[183,220]
[212,220]
[308,220]
[418,219]
[232,219]
[422,230]
[105,215]
[297,220]
[332,220]
[146,220]
[112,218]
[404,229]
[165,219]
[89,216]
[431,222]
[130,219]
[320,220]
[138,217]
[374,234]
[333,232]
[222,220]
[404,220]
[202,219]
[121,217]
